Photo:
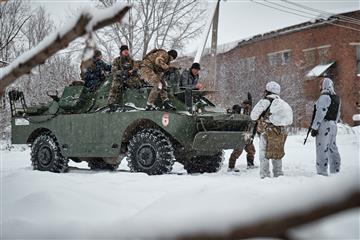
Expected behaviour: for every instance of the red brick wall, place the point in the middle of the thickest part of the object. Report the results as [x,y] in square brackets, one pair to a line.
[234,78]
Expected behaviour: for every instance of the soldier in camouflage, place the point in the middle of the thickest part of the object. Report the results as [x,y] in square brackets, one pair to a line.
[189,77]
[154,65]
[92,71]
[124,72]
[249,148]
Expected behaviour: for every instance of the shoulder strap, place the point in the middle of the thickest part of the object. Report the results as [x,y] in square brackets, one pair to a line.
[268,108]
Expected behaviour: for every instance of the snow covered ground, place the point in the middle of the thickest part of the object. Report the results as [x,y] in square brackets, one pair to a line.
[87,204]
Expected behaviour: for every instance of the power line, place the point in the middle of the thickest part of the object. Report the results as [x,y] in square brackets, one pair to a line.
[312,14]
[321,11]
[282,10]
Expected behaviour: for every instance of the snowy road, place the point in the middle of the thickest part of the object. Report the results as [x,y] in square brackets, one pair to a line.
[88,204]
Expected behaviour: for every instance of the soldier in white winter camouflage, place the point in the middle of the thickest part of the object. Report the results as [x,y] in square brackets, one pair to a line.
[272,115]
[324,128]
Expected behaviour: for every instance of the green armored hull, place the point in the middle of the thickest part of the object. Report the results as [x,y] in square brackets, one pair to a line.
[79,126]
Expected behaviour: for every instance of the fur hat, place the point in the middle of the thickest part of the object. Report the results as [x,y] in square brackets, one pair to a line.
[196,65]
[124,47]
[173,53]
[97,53]
[273,87]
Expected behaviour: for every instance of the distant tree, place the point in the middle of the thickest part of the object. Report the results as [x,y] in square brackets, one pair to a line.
[57,71]
[13,16]
[153,24]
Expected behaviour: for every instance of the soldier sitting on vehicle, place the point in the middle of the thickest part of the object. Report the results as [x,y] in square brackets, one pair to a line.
[190,77]
[154,65]
[125,74]
[92,72]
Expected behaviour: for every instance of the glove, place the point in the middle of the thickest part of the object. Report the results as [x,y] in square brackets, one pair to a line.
[314,132]
[171,69]
[112,107]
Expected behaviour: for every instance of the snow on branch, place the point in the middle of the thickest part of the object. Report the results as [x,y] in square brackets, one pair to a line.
[88,21]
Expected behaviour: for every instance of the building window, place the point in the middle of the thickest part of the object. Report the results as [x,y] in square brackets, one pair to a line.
[358,59]
[279,58]
[247,64]
[273,59]
[285,58]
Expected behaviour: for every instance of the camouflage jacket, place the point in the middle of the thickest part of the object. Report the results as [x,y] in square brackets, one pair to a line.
[94,74]
[187,80]
[121,67]
[247,107]
[158,60]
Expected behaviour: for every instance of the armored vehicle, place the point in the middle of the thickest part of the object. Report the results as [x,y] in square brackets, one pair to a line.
[79,126]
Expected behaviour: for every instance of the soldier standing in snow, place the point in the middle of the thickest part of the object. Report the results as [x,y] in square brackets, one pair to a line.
[153,66]
[324,128]
[272,115]
[249,148]
[189,77]
[124,75]
[93,75]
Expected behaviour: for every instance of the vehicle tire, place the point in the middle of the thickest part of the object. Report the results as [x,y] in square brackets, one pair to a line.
[99,164]
[46,154]
[204,164]
[150,151]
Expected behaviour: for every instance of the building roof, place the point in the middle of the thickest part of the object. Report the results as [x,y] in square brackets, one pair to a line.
[321,21]
[298,27]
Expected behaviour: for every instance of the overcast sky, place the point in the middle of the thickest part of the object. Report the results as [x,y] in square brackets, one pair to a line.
[238,19]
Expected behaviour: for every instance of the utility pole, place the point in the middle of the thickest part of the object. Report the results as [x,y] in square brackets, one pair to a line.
[212,23]
[212,65]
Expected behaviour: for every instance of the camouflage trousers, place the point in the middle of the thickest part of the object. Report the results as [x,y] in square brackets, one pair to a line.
[159,86]
[250,150]
[118,85]
[265,162]
[327,154]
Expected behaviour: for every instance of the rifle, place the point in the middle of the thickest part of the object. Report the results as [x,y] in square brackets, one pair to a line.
[261,116]
[312,120]
[253,132]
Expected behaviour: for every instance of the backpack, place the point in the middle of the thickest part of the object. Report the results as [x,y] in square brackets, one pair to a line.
[281,113]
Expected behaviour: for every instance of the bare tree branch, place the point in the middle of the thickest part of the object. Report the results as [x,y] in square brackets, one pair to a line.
[155,24]
[279,227]
[57,44]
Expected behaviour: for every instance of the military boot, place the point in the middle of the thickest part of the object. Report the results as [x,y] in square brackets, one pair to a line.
[168,105]
[150,107]
[113,107]
[234,169]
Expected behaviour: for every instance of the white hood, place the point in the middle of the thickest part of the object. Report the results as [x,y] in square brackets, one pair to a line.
[328,86]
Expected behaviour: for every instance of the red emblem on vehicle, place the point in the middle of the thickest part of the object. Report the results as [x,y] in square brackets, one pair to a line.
[165,119]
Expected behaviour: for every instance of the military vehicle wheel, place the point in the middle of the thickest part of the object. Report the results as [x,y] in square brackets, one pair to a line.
[100,164]
[204,164]
[151,152]
[46,154]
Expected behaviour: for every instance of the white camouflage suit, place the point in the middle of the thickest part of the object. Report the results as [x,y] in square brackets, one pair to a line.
[326,149]
[259,108]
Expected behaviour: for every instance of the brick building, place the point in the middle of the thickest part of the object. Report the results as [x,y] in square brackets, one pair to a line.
[294,57]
